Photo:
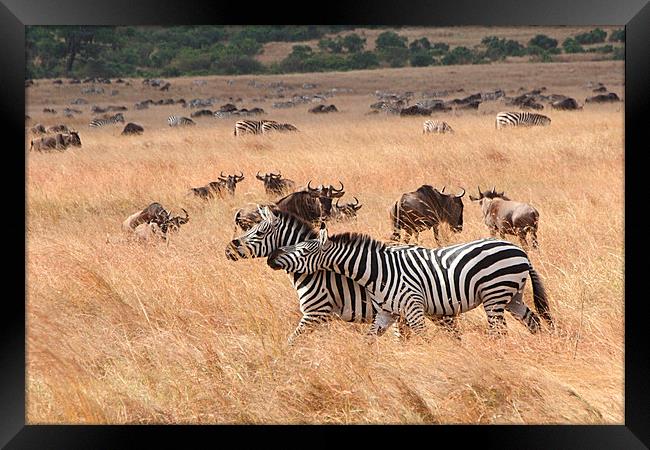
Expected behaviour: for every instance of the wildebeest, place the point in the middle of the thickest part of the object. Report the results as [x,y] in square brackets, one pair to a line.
[311,204]
[38,129]
[152,213]
[132,128]
[425,208]
[504,216]
[56,142]
[566,104]
[49,110]
[347,211]
[323,109]
[224,183]
[58,129]
[603,98]
[274,184]
[202,113]
[249,215]
[415,110]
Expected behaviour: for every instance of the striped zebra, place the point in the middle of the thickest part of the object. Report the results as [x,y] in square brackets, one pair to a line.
[411,282]
[520,119]
[270,125]
[323,295]
[117,118]
[248,127]
[179,121]
[436,126]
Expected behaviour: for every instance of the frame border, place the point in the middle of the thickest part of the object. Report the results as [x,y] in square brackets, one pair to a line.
[634,14]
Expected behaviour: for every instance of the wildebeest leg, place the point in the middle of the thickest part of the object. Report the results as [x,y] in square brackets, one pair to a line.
[407,236]
[416,234]
[533,237]
[521,233]
[518,308]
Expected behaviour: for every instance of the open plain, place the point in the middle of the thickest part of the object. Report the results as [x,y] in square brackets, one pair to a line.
[124,332]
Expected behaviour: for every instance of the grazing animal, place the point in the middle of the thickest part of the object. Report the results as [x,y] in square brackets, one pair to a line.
[248,127]
[517,119]
[57,129]
[49,110]
[56,142]
[345,212]
[504,216]
[322,295]
[224,183]
[436,126]
[247,216]
[311,204]
[202,113]
[149,231]
[153,213]
[566,104]
[38,129]
[268,125]
[274,184]
[132,128]
[179,121]
[411,282]
[424,209]
[603,98]
[117,118]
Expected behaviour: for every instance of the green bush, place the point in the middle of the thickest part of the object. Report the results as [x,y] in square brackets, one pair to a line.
[542,41]
[500,48]
[390,39]
[592,37]
[354,43]
[363,60]
[619,53]
[440,48]
[570,45]
[394,56]
[420,44]
[617,35]
[602,49]
[459,55]
[421,58]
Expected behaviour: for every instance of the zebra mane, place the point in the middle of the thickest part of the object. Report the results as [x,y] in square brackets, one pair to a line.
[360,238]
[287,217]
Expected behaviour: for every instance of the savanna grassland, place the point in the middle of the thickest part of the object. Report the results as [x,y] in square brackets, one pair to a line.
[124,332]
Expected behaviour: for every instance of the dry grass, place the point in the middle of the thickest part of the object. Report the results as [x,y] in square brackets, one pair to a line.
[120,332]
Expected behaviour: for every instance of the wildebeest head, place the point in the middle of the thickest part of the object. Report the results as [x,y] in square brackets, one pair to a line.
[325,195]
[488,194]
[274,183]
[348,210]
[230,181]
[72,139]
[452,209]
[174,223]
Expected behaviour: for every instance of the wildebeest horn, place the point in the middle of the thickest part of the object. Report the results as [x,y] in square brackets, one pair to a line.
[443,189]
[356,200]
[241,176]
[461,194]
[222,175]
[311,189]
[480,194]
[337,202]
[494,189]
[187,216]
[338,190]
[258,176]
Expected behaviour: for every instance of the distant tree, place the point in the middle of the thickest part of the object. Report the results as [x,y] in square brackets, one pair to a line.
[421,58]
[331,45]
[363,60]
[354,43]
[570,45]
[617,35]
[593,37]
[542,41]
[459,55]
[390,39]
[420,44]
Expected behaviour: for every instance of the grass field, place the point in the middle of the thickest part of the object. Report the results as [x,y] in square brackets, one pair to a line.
[124,332]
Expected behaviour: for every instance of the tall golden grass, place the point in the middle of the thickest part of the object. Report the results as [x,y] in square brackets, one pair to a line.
[124,332]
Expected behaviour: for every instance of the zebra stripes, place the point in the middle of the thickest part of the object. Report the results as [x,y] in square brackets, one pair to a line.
[436,126]
[179,121]
[324,294]
[413,282]
[97,123]
[526,119]
[260,127]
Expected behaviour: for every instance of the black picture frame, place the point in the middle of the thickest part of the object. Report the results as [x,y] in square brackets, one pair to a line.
[633,14]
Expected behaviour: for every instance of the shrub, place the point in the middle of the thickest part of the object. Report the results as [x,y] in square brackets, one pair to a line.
[570,45]
[420,44]
[363,60]
[459,55]
[542,41]
[593,37]
[421,58]
[354,43]
[617,35]
[390,39]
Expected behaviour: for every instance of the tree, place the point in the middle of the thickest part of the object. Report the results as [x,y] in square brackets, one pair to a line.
[421,58]
[617,35]
[542,41]
[390,39]
[354,43]
[593,37]
[420,44]
[570,45]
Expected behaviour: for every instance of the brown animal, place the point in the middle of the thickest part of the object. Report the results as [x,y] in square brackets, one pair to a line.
[57,142]
[132,128]
[38,129]
[505,216]
[311,204]
[224,183]
[345,212]
[274,184]
[153,213]
[249,215]
[58,129]
[424,209]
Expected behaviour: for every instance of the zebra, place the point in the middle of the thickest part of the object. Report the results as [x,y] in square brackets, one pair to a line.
[96,123]
[270,125]
[411,282]
[249,126]
[177,121]
[323,295]
[436,126]
[525,119]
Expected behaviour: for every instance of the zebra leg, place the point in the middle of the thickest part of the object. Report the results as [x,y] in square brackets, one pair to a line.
[414,312]
[518,308]
[494,309]
[383,320]
[402,330]
[306,324]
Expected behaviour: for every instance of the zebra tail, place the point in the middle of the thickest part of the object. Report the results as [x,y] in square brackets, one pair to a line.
[539,297]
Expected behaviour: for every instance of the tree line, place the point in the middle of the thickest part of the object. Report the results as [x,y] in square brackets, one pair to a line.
[127,51]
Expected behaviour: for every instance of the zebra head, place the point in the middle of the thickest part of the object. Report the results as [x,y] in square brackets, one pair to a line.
[305,257]
[262,238]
